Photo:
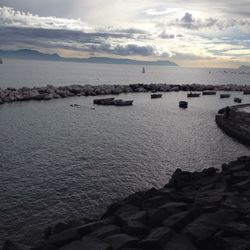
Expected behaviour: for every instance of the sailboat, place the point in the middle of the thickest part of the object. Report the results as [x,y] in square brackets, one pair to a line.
[143,70]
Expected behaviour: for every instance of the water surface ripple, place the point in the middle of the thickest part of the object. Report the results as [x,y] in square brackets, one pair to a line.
[60,162]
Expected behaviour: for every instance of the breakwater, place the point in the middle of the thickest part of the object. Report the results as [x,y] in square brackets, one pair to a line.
[206,210]
[236,124]
[51,92]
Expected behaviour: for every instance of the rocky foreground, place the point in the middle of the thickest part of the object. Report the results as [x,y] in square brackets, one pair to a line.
[208,210]
[51,92]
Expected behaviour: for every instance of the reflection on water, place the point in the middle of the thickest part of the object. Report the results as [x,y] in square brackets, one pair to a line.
[59,161]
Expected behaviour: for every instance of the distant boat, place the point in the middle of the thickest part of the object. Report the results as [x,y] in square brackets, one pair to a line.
[183,104]
[156,96]
[104,101]
[246,92]
[123,103]
[193,94]
[143,70]
[238,100]
[1,61]
[209,93]
[225,95]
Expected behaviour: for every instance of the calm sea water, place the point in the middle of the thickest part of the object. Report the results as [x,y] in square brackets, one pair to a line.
[59,162]
[17,73]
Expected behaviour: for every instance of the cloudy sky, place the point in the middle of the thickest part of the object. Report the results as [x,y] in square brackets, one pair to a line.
[207,33]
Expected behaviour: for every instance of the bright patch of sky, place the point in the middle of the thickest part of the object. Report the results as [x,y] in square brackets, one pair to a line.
[190,33]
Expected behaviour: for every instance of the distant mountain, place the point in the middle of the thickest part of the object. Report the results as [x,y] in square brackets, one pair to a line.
[27,54]
[244,68]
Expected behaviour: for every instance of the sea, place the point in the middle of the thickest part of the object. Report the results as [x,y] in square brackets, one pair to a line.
[62,163]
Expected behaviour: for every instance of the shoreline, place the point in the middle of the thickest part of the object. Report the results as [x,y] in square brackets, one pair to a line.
[207,210]
[237,125]
[51,92]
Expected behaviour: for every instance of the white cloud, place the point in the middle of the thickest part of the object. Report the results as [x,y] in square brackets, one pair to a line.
[11,18]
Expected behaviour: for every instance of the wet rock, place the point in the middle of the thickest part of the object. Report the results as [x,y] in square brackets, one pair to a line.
[233,243]
[90,227]
[156,201]
[180,242]
[118,241]
[87,243]
[65,237]
[157,238]
[204,228]
[156,217]
[180,220]
[44,245]
[135,228]
[106,231]
[125,213]
[10,245]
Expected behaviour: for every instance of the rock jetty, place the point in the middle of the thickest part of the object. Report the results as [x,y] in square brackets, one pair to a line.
[208,210]
[51,92]
[236,124]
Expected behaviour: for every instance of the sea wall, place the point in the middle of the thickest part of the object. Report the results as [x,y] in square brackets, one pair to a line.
[208,210]
[51,92]
[237,124]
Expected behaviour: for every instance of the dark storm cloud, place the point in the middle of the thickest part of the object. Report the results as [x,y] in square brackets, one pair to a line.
[65,39]
[125,50]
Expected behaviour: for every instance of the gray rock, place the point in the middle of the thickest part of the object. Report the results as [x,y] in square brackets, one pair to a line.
[233,243]
[125,212]
[156,201]
[65,237]
[180,220]
[156,217]
[121,240]
[87,243]
[135,228]
[180,242]
[157,238]
[90,227]
[106,231]
[44,245]
[10,245]
[204,228]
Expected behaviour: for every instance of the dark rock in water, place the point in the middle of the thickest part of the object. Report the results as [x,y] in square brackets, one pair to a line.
[51,92]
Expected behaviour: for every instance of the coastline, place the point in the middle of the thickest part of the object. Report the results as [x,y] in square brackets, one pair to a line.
[51,92]
[195,210]
[237,125]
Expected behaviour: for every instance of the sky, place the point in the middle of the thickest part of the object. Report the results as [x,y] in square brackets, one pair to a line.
[208,33]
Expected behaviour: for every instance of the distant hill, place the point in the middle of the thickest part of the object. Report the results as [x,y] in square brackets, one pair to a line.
[27,54]
[244,68]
